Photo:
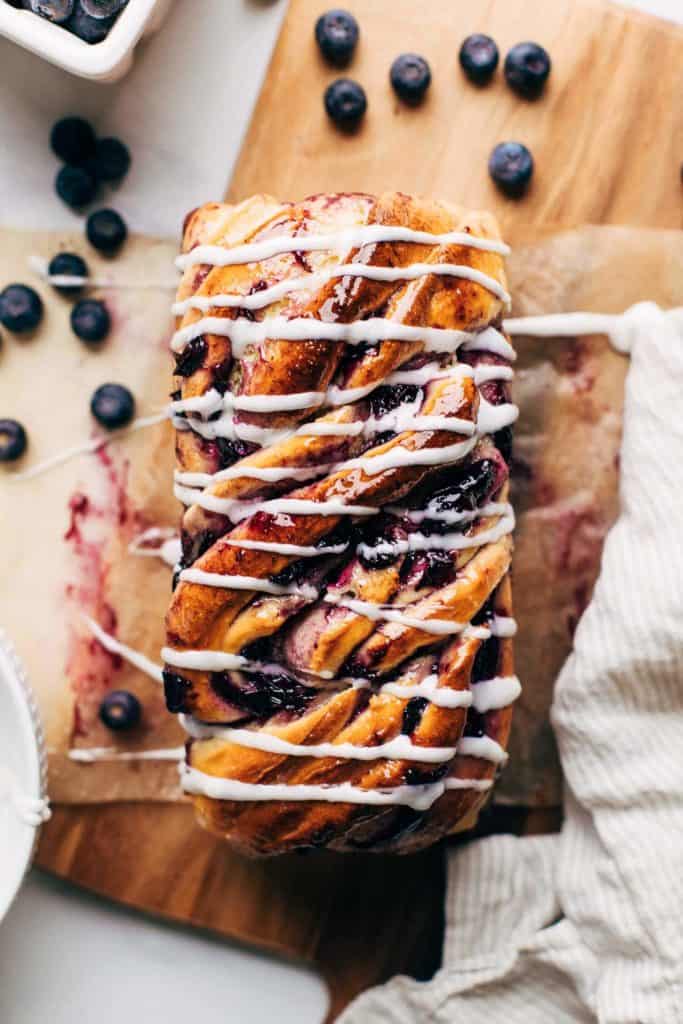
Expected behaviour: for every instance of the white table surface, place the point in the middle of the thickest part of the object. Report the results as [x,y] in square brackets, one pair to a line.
[183,109]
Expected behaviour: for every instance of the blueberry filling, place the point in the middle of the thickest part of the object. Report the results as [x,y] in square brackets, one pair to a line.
[503,442]
[475,724]
[486,660]
[428,568]
[469,487]
[415,776]
[191,358]
[176,688]
[485,614]
[412,715]
[231,451]
[296,572]
[262,695]
[377,532]
[194,545]
[382,400]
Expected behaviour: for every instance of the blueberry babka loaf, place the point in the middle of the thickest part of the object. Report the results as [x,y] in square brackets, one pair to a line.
[339,636]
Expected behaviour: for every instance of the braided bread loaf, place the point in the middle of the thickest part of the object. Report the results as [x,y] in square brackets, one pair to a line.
[339,637]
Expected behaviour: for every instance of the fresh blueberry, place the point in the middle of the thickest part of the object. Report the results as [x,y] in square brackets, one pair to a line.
[54,10]
[511,166]
[345,102]
[527,67]
[76,186]
[67,264]
[103,8]
[112,405]
[21,308]
[410,77]
[106,230]
[73,140]
[479,58]
[90,320]
[90,30]
[120,710]
[112,160]
[336,33]
[13,440]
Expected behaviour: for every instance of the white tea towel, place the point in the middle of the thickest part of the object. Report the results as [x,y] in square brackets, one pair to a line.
[587,925]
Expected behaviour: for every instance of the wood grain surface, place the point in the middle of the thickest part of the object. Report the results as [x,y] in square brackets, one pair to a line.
[608,141]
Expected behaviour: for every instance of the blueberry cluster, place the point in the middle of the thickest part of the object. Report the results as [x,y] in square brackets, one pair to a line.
[90,20]
[89,162]
[21,307]
[526,69]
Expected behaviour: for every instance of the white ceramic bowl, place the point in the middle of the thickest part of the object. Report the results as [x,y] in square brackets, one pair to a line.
[23,770]
[105,61]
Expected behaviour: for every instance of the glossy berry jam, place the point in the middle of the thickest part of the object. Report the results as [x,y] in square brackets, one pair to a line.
[175,690]
[385,399]
[120,710]
[486,661]
[412,715]
[526,68]
[410,77]
[191,358]
[479,58]
[13,440]
[261,695]
[336,33]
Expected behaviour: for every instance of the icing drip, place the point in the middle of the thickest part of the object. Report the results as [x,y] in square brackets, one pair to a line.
[495,693]
[483,747]
[157,542]
[130,655]
[31,810]
[40,266]
[259,300]
[350,238]
[420,798]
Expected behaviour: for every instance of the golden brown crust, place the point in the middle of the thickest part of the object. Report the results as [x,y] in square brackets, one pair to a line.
[318,643]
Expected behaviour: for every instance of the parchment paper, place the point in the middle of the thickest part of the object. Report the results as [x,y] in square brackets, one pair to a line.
[565,491]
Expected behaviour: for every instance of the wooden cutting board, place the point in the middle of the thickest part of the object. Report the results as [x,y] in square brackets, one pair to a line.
[608,142]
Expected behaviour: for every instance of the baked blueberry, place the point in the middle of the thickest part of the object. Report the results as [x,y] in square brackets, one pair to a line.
[112,405]
[112,160]
[106,230]
[120,710]
[13,440]
[90,320]
[54,10]
[527,67]
[76,186]
[479,58]
[336,33]
[103,8]
[21,308]
[410,77]
[67,264]
[73,140]
[90,30]
[511,166]
[345,102]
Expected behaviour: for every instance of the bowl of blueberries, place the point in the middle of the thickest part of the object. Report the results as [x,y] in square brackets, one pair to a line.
[91,38]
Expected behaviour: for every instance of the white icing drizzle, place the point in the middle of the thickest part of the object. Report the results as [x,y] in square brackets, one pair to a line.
[88,447]
[495,693]
[420,798]
[157,542]
[259,300]
[298,550]
[494,417]
[387,613]
[503,626]
[492,508]
[439,696]
[31,810]
[40,266]
[441,542]
[140,661]
[88,755]
[270,474]
[400,748]
[482,746]
[490,340]
[399,456]
[237,510]
[205,660]
[214,579]
[348,238]
[243,333]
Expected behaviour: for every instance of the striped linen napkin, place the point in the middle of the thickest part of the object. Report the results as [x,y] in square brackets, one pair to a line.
[586,925]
